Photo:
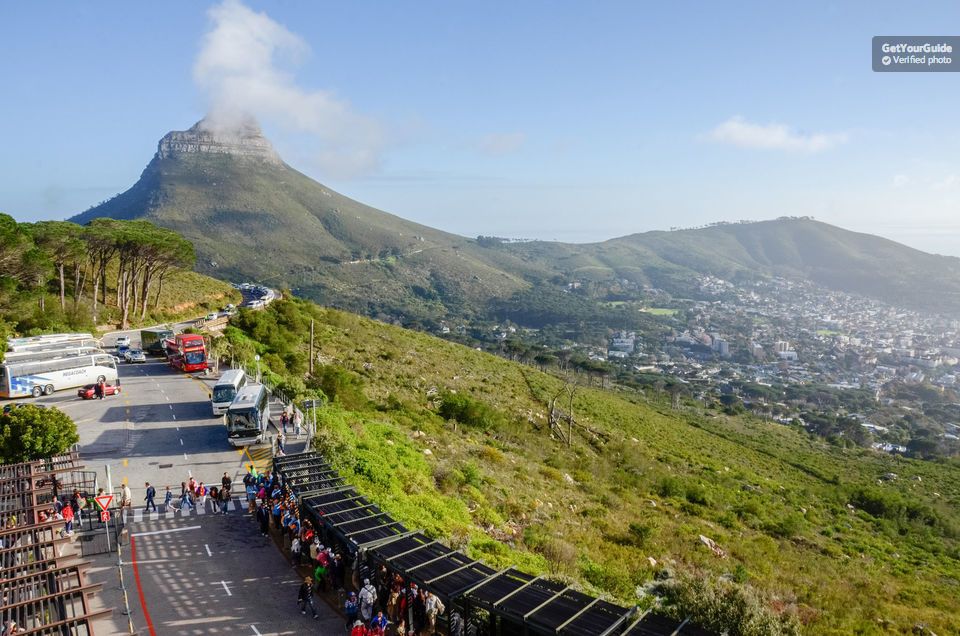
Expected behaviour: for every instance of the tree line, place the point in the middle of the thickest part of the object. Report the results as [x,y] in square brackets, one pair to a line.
[73,263]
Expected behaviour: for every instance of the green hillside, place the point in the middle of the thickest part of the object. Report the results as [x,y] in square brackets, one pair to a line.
[456,442]
[250,216]
[254,219]
[797,248]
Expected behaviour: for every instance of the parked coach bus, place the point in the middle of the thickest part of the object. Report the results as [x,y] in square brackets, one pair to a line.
[51,341]
[43,377]
[46,354]
[226,389]
[248,415]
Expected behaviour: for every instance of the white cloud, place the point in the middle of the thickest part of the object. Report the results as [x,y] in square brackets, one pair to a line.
[239,70]
[737,131]
[948,182]
[901,181]
[498,144]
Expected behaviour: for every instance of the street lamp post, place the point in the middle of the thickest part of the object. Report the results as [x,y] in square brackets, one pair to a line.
[257,358]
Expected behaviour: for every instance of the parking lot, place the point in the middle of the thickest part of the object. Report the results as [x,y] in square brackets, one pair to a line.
[201,573]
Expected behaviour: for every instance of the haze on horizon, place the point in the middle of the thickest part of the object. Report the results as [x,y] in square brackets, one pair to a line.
[576,122]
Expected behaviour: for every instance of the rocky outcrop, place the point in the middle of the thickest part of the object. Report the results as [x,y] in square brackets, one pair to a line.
[243,140]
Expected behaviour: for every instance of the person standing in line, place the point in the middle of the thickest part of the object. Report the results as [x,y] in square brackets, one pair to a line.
[378,625]
[433,607]
[75,504]
[126,497]
[351,609]
[68,518]
[263,516]
[226,482]
[305,597]
[185,503]
[368,596]
[215,499]
[151,493]
[224,499]
[295,552]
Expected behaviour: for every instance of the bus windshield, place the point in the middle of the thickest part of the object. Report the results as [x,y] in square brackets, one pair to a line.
[194,357]
[245,420]
[224,393]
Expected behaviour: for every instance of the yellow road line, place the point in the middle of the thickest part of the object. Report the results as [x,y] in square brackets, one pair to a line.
[260,459]
[201,383]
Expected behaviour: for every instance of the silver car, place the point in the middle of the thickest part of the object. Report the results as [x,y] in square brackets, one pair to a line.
[135,355]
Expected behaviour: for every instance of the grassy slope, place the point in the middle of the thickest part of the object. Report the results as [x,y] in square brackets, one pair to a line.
[771,497]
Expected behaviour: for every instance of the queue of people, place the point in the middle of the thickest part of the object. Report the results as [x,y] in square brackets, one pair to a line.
[193,493]
[386,606]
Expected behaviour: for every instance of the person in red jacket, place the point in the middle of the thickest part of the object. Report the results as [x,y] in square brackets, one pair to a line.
[67,513]
[358,629]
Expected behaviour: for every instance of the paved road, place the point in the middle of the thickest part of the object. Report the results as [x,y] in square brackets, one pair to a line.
[215,574]
[161,429]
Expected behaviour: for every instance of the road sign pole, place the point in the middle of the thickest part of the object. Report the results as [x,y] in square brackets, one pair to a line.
[109,481]
[107,528]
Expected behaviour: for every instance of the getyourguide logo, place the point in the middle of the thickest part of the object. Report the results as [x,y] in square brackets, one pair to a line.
[902,47]
[915,53]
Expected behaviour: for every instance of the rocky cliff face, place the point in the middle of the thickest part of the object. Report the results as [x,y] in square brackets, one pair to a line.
[244,140]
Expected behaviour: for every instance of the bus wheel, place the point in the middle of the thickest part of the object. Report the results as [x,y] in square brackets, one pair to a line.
[48,390]
[101,379]
[37,391]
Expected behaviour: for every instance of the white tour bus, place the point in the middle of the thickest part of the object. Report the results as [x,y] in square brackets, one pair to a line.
[53,340]
[43,377]
[248,415]
[46,354]
[226,389]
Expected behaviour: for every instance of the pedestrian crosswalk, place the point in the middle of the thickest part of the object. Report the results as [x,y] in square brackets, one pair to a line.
[235,505]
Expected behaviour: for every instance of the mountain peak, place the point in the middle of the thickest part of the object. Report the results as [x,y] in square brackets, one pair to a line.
[242,138]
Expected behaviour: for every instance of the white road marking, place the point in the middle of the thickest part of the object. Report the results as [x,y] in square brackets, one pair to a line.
[225,588]
[168,397]
[137,515]
[181,441]
[189,474]
[153,532]
[171,406]
[185,458]
[255,630]
[154,516]
[209,553]
[174,415]
[148,561]
[178,429]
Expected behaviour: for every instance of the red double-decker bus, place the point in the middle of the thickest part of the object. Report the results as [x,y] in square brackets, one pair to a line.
[187,352]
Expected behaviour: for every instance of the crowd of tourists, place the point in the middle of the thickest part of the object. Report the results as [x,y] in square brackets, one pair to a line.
[388,605]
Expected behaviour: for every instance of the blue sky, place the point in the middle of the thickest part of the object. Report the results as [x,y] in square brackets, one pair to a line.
[556,120]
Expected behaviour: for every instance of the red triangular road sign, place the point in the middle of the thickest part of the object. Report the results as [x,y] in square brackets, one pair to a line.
[104,501]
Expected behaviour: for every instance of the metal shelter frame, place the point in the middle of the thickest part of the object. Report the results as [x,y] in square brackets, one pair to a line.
[516,603]
[45,592]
